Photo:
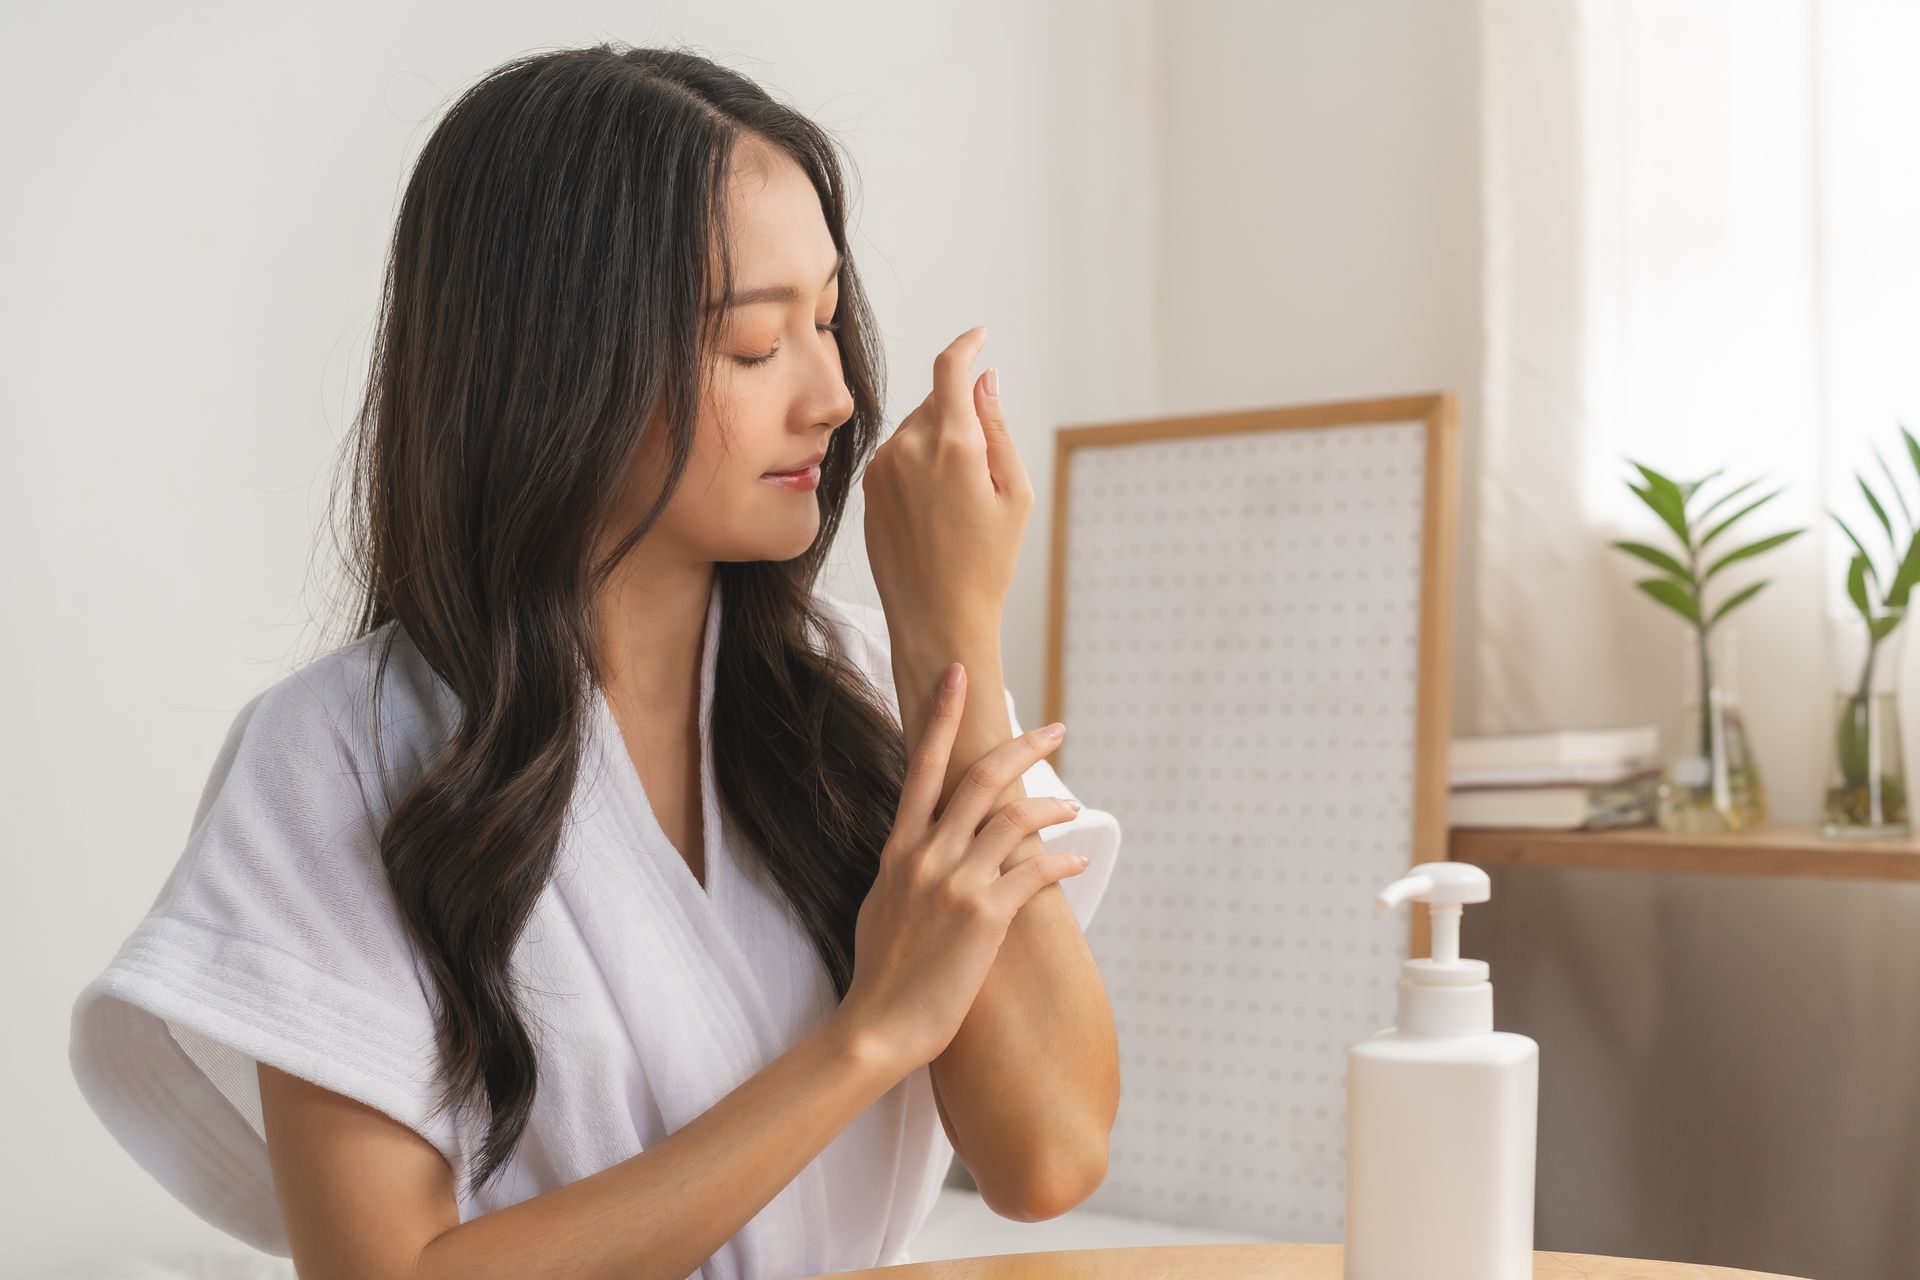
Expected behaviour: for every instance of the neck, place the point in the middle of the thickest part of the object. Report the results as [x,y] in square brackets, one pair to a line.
[649,623]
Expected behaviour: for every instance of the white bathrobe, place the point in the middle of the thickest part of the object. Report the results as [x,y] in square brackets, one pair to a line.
[275,939]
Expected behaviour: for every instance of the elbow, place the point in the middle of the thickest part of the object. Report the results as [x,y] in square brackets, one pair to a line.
[1055,1191]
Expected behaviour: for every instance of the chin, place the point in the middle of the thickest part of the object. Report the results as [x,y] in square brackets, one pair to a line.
[780,529]
[769,545]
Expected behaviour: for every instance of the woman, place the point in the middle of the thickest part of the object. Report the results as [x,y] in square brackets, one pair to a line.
[585,915]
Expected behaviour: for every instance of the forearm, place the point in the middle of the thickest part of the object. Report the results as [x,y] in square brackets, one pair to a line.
[664,1212]
[1029,1086]
[917,671]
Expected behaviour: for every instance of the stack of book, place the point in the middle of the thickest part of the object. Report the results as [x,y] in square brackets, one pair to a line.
[1592,779]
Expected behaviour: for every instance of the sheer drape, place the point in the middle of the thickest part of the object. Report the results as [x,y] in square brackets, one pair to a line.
[1703,250]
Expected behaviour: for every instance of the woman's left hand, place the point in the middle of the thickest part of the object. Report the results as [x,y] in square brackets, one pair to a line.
[947,505]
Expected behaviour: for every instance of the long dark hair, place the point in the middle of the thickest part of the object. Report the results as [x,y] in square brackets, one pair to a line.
[545,296]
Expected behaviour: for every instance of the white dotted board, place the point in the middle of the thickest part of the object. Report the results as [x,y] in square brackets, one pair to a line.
[1239,634]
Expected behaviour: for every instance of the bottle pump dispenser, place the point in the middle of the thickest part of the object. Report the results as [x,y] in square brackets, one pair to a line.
[1441,1113]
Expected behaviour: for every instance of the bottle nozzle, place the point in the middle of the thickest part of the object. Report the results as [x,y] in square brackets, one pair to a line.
[1407,886]
[1438,881]
[1442,993]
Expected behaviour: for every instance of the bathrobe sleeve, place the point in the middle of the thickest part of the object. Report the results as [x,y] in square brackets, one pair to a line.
[274,939]
[1094,832]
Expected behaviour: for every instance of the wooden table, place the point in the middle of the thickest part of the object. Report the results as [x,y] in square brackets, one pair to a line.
[1253,1262]
[1773,850]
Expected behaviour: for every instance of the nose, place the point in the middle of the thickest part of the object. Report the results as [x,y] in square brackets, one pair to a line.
[832,402]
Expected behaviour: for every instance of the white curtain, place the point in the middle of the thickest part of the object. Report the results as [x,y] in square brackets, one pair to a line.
[1702,250]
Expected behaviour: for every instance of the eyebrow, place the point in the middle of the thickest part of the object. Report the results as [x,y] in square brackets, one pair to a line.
[773,292]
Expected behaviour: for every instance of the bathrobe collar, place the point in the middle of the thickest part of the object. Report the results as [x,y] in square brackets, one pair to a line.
[678,964]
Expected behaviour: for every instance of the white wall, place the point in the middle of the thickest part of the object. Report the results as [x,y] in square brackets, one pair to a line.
[198,203]
[1321,237]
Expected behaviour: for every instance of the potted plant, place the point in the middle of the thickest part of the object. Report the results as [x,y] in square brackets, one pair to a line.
[1710,780]
[1866,791]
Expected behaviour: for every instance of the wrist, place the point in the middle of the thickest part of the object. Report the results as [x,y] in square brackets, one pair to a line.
[931,641]
[864,1049]
[921,665]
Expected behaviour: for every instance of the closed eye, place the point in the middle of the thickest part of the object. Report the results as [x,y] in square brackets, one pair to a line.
[751,361]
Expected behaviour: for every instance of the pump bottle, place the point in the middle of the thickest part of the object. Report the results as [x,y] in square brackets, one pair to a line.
[1441,1114]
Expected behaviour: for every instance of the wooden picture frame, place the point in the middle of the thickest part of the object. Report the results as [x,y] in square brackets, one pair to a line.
[1300,454]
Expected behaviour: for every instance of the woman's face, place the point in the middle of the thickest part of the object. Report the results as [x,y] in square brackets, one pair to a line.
[776,390]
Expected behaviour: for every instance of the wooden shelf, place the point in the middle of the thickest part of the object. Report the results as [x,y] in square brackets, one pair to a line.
[1775,850]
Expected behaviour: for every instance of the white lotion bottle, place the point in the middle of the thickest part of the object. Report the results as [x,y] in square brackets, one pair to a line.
[1442,1113]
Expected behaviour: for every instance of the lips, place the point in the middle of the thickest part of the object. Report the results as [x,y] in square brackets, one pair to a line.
[799,481]
[804,465]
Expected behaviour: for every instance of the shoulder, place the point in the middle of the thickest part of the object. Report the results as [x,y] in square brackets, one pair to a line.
[275,938]
[297,791]
[327,709]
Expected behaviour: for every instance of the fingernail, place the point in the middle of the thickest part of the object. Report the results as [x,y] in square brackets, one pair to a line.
[953,677]
[993,383]
[1084,859]
[1075,805]
[1054,730]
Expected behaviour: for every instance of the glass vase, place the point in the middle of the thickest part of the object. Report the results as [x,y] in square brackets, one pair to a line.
[1710,781]
[1866,794]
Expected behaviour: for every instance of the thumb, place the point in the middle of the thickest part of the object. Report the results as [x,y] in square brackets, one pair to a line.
[1002,460]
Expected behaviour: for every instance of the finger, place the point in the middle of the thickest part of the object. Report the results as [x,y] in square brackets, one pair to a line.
[952,398]
[927,768]
[1003,459]
[991,774]
[1027,878]
[1015,821]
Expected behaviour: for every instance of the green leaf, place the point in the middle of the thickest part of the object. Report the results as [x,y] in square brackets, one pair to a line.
[1880,514]
[1691,487]
[1737,598]
[1751,549]
[1906,515]
[1658,559]
[1674,595]
[1713,506]
[1660,484]
[1913,447]
[1883,627]
[1905,577]
[1667,506]
[1857,571]
[1722,527]
[1857,546]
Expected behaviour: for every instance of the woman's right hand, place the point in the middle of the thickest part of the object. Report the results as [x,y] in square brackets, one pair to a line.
[930,927]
